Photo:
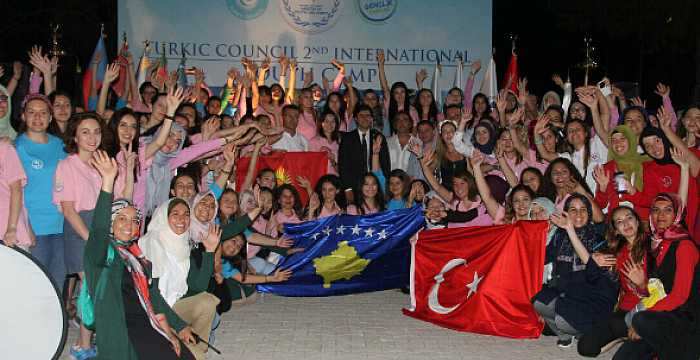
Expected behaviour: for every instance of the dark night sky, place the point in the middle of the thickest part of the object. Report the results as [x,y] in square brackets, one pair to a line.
[640,41]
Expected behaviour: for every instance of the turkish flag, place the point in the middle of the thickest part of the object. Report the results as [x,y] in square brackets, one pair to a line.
[287,166]
[480,279]
[512,73]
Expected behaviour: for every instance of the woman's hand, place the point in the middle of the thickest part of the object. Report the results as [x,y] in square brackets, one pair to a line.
[380,57]
[680,157]
[502,101]
[284,242]
[562,220]
[632,334]
[280,275]
[339,65]
[131,158]
[111,73]
[211,241]
[187,335]
[421,75]
[475,67]
[106,166]
[295,250]
[541,124]
[314,202]
[476,159]
[172,337]
[604,260]
[601,177]
[662,90]
[635,273]
[173,100]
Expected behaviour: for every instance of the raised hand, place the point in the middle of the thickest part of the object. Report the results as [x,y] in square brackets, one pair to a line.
[662,90]
[601,177]
[680,157]
[131,158]
[665,118]
[522,91]
[557,80]
[314,202]
[502,101]
[476,66]
[636,101]
[229,153]
[380,57]
[304,182]
[562,220]
[292,64]
[105,165]
[541,124]
[211,241]
[421,75]
[111,73]
[476,159]
[516,117]
[174,98]
[309,76]
[284,62]
[338,64]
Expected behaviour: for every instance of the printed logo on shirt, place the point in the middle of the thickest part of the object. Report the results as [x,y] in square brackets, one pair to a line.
[59,185]
[595,157]
[37,164]
[667,181]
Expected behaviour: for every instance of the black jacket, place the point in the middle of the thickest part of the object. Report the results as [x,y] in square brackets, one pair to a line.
[351,165]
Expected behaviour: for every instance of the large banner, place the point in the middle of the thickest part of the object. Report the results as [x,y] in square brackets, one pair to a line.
[480,279]
[215,35]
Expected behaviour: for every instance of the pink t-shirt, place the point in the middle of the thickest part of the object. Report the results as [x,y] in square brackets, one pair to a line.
[274,118]
[281,218]
[11,170]
[318,142]
[260,224]
[326,212]
[482,219]
[307,125]
[120,181]
[352,210]
[78,182]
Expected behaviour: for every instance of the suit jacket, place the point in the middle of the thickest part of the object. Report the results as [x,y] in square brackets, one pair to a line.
[351,165]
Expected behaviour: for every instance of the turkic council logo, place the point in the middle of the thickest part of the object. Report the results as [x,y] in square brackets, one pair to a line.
[310,16]
[377,10]
[247,9]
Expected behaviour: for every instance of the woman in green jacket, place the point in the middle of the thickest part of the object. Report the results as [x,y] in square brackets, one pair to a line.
[131,318]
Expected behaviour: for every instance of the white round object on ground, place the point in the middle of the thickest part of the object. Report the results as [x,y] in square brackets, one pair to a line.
[33,318]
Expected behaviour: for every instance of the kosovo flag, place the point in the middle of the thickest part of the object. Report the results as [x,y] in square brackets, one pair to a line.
[349,254]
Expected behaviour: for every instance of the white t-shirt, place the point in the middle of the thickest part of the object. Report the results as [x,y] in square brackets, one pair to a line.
[291,143]
[598,156]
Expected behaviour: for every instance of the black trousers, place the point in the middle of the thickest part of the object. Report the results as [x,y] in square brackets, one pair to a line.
[150,344]
[666,334]
[602,333]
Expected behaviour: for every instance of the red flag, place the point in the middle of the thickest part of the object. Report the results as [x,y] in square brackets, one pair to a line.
[480,279]
[119,85]
[512,73]
[287,166]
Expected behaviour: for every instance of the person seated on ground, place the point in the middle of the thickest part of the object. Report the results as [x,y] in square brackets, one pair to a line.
[668,329]
[183,280]
[626,252]
[131,316]
[580,292]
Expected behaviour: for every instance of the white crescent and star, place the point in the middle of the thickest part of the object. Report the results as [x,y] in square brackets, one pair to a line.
[434,302]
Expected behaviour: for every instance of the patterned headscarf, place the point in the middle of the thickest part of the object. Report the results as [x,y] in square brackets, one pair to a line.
[135,263]
[587,234]
[676,231]
[486,149]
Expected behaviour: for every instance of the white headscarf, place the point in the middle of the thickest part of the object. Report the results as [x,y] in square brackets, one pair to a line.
[169,253]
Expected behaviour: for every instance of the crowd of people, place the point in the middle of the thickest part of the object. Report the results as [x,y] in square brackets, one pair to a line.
[130,203]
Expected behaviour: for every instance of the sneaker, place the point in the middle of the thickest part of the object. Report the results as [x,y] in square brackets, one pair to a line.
[565,343]
[78,353]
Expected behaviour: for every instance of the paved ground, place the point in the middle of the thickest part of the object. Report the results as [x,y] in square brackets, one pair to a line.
[364,326]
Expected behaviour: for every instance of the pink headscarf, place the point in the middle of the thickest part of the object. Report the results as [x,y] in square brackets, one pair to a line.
[676,231]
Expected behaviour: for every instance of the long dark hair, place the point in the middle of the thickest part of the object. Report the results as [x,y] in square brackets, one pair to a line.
[297,199]
[360,197]
[550,191]
[465,175]
[343,105]
[586,146]
[617,242]
[539,175]
[393,105]
[460,104]
[280,101]
[340,199]
[405,179]
[110,140]
[319,126]
[486,113]
[432,108]
[54,129]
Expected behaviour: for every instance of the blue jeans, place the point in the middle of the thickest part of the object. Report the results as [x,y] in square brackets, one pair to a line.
[49,251]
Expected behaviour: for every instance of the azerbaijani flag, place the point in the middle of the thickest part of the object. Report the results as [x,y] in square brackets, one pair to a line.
[100,53]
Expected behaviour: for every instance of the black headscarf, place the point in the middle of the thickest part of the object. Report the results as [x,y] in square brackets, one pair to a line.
[654,131]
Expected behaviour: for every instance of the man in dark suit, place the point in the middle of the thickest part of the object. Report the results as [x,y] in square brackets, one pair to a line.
[354,154]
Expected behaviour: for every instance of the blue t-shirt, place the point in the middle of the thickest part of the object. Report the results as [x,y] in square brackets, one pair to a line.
[227,269]
[39,162]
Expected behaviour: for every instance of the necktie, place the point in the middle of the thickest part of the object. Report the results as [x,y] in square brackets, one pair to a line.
[364,151]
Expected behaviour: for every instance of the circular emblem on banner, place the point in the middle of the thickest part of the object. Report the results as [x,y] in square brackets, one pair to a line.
[247,9]
[310,16]
[377,10]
